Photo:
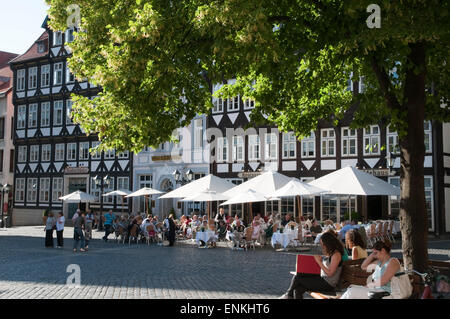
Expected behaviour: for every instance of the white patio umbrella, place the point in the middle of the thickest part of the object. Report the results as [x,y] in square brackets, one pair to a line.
[146,192]
[78,197]
[119,192]
[296,188]
[209,182]
[351,181]
[266,184]
[249,196]
[206,196]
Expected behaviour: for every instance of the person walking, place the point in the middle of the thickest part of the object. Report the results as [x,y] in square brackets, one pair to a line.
[89,221]
[78,235]
[50,224]
[60,221]
[108,219]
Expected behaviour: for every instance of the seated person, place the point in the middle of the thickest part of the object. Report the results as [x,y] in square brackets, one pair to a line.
[195,221]
[331,268]
[269,230]
[346,226]
[355,244]
[385,268]
[238,233]
[315,228]
[288,218]
[222,230]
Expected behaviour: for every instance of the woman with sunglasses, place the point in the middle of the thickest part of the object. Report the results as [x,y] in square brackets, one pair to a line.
[385,268]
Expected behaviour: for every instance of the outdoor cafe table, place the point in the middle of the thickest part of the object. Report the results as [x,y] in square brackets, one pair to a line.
[207,235]
[284,238]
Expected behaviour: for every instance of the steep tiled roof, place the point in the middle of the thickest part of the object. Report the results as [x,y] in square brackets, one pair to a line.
[5,57]
[32,52]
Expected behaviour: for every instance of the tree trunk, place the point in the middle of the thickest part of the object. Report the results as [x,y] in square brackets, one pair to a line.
[413,215]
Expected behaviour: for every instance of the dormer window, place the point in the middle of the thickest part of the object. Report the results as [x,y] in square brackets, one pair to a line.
[41,47]
[57,38]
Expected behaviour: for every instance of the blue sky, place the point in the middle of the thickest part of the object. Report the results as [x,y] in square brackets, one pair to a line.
[20,24]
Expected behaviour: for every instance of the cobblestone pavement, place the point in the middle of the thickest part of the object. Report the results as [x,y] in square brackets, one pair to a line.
[111,270]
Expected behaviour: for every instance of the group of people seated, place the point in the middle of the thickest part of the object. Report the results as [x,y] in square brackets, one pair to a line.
[335,253]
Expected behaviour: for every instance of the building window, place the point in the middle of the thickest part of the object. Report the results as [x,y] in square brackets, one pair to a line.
[34,153]
[329,207]
[287,206]
[2,127]
[307,201]
[309,146]
[347,205]
[108,188]
[144,181]
[41,47]
[46,153]
[20,80]
[348,142]
[95,154]
[57,38]
[328,142]
[44,190]
[95,191]
[11,161]
[1,160]
[84,150]
[428,183]
[123,183]
[70,78]
[123,155]
[57,189]
[69,35]
[361,85]
[69,104]
[222,149]
[392,141]
[427,134]
[58,73]
[372,140]
[20,189]
[271,146]
[110,154]
[249,104]
[32,115]
[45,114]
[394,201]
[238,148]
[59,152]
[71,151]
[22,154]
[218,105]
[31,189]
[254,146]
[32,77]
[45,75]
[198,133]
[58,113]
[234,103]
[21,116]
[289,145]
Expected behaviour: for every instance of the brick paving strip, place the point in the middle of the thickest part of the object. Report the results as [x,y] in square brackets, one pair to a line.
[110,270]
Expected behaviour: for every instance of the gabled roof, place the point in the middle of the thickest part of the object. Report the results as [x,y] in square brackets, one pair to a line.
[5,57]
[32,52]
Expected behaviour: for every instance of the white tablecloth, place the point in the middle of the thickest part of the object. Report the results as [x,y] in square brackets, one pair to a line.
[206,236]
[283,238]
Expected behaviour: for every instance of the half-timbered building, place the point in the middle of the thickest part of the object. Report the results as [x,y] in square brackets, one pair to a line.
[240,153]
[52,153]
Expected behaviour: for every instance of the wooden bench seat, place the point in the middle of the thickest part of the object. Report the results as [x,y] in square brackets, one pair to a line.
[352,274]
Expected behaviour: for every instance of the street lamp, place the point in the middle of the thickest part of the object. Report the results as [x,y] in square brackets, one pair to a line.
[390,158]
[182,180]
[101,182]
[5,189]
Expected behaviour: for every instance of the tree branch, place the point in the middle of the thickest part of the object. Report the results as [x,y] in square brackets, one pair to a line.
[385,85]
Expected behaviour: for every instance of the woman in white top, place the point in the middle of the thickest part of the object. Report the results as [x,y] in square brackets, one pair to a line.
[59,229]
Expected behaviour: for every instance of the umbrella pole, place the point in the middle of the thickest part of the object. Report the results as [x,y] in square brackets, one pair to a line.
[122,203]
